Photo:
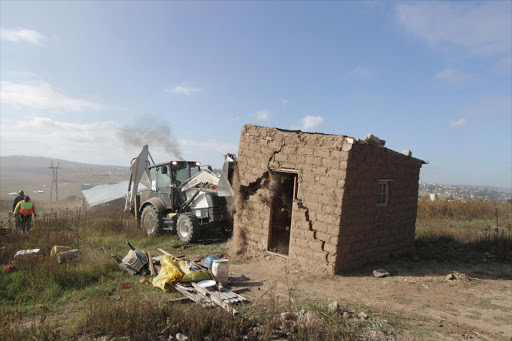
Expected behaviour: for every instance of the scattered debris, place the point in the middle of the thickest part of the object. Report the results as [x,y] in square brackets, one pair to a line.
[220,270]
[151,267]
[304,318]
[181,337]
[208,261]
[451,277]
[334,307]
[9,268]
[58,249]
[307,317]
[406,152]
[168,274]
[379,273]
[374,140]
[26,254]
[363,316]
[174,272]
[66,256]
[135,262]
[125,286]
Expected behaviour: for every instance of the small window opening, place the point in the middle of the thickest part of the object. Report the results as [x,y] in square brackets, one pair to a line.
[382,198]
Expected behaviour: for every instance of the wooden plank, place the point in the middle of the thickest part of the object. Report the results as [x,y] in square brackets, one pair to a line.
[215,299]
[205,301]
[151,267]
[269,235]
[276,254]
[164,252]
[180,300]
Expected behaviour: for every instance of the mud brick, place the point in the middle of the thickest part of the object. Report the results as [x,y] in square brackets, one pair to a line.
[281,157]
[322,153]
[332,249]
[316,245]
[309,235]
[323,236]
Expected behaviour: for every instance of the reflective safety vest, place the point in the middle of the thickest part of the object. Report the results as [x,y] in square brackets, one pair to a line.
[25,208]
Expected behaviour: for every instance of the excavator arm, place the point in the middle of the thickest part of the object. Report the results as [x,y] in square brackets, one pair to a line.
[140,165]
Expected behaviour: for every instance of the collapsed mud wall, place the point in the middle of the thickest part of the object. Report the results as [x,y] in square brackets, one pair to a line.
[320,162]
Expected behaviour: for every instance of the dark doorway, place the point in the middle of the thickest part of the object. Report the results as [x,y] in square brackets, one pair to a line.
[283,191]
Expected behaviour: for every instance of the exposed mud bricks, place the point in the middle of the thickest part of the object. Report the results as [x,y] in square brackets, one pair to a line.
[336,222]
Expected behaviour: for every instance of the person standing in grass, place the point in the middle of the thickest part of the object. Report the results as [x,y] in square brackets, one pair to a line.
[25,209]
[20,197]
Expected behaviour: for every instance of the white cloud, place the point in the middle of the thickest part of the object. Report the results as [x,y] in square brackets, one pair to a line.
[83,142]
[262,115]
[41,95]
[459,123]
[482,28]
[309,122]
[99,142]
[453,77]
[360,71]
[21,35]
[183,90]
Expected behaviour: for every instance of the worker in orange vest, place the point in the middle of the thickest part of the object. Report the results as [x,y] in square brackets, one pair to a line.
[25,209]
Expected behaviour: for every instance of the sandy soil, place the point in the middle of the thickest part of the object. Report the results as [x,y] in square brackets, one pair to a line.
[418,296]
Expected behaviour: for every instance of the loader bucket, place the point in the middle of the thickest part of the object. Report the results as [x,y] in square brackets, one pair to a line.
[224,188]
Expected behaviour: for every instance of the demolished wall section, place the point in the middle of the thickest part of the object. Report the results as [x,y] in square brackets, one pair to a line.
[321,163]
[371,233]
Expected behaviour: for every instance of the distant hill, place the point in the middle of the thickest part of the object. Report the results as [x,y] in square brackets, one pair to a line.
[36,165]
[32,174]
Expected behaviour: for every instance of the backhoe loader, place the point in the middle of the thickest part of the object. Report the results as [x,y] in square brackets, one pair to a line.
[184,197]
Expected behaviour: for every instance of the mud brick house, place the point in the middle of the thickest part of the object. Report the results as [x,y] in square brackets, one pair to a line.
[330,202]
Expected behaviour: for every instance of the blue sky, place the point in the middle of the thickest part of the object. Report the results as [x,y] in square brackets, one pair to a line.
[432,77]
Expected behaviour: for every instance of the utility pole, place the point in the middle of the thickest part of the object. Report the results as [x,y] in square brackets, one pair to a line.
[54,181]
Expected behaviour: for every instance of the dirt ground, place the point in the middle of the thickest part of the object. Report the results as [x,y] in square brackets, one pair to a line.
[477,304]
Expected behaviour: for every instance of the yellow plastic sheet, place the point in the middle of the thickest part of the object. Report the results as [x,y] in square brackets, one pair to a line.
[169,273]
[190,275]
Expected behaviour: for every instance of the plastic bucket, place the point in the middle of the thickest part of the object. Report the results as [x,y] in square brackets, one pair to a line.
[208,261]
[220,270]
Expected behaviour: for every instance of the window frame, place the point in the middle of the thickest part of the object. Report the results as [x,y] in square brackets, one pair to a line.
[385,193]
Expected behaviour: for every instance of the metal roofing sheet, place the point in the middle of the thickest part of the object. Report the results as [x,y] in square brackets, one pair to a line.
[104,193]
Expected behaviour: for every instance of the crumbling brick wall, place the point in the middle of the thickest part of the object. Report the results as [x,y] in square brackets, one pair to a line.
[334,212]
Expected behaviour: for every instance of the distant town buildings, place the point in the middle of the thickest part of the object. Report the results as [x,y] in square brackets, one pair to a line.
[462,193]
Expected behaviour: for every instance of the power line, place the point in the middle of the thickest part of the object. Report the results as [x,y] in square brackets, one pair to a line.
[54,181]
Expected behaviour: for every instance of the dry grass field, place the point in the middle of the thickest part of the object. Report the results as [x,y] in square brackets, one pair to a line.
[84,299]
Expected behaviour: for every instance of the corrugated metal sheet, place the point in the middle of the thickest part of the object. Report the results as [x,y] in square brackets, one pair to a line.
[104,193]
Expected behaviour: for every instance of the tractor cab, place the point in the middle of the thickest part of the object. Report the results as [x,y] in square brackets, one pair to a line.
[166,180]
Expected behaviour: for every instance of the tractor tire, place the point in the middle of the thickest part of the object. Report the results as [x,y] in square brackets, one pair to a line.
[151,221]
[188,227]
